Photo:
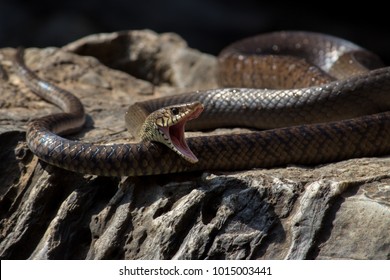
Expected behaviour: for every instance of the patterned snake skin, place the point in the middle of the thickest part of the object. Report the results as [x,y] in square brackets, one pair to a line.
[335,111]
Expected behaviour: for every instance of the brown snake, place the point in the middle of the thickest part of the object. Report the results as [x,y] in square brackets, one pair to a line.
[334,111]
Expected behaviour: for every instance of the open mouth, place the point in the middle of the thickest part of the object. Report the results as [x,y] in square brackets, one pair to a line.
[175,134]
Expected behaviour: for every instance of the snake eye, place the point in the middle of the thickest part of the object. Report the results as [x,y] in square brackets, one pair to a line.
[175,111]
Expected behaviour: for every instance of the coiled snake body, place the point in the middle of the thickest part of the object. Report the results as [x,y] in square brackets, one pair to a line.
[335,111]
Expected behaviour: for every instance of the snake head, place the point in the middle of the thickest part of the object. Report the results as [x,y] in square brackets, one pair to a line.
[167,126]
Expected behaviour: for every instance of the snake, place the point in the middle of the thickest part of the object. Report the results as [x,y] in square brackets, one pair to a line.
[305,98]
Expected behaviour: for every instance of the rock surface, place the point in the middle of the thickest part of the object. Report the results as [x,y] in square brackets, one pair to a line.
[333,211]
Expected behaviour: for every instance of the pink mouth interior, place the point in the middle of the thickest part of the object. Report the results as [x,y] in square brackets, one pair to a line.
[176,135]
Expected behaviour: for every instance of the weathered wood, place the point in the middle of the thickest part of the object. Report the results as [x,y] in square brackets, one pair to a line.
[334,211]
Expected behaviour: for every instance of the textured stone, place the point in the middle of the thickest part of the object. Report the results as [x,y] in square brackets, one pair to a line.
[334,211]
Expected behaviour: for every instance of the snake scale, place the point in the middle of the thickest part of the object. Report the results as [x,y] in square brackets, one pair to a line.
[326,100]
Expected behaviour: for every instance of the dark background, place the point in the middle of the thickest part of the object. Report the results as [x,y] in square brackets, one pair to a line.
[207,25]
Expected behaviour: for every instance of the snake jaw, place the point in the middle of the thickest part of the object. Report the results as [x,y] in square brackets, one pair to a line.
[177,141]
[174,133]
